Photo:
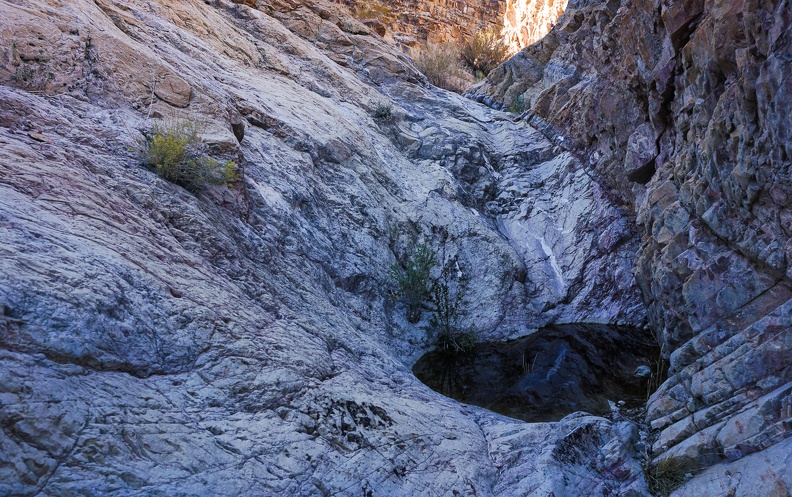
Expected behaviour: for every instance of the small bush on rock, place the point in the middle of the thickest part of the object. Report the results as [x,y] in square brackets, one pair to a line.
[447,300]
[373,10]
[484,51]
[441,65]
[413,280]
[518,105]
[667,475]
[176,152]
[415,286]
[383,112]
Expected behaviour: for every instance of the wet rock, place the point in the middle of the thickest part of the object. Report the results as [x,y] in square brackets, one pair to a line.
[549,374]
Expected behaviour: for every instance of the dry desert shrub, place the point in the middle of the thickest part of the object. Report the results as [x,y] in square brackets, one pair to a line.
[176,152]
[440,63]
[484,51]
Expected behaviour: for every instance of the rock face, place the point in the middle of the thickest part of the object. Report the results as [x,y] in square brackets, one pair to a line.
[408,22]
[528,21]
[684,110]
[243,341]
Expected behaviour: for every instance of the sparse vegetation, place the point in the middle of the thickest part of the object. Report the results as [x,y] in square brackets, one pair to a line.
[383,112]
[667,475]
[457,341]
[413,279]
[176,152]
[31,75]
[447,300]
[440,63]
[659,369]
[442,296]
[373,10]
[484,51]
[453,67]
[518,105]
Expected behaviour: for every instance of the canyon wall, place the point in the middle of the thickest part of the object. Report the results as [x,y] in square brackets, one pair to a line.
[408,22]
[244,340]
[684,110]
[528,21]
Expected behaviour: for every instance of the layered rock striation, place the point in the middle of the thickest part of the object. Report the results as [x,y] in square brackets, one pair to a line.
[243,340]
[409,22]
[684,110]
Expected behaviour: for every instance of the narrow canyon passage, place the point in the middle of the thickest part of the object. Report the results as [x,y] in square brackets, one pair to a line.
[242,336]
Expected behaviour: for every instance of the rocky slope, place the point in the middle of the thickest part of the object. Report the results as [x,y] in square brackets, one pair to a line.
[243,341]
[684,109]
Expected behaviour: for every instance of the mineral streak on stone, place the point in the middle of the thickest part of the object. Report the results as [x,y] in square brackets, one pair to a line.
[685,111]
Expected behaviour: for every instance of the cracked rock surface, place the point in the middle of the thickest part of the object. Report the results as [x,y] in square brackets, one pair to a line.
[684,108]
[242,341]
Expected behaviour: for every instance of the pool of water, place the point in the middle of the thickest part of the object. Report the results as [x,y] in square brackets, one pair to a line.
[549,374]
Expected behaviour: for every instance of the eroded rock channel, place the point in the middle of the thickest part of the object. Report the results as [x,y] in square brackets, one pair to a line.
[549,374]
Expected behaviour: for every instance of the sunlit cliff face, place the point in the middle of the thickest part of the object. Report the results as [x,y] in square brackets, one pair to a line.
[409,22]
[527,21]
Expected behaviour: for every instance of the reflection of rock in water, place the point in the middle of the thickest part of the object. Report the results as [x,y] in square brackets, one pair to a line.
[549,374]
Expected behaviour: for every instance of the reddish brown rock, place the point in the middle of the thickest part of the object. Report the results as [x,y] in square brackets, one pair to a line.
[439,21]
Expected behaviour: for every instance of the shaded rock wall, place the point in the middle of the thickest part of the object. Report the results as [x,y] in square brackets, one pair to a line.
[242,341]
[684,110]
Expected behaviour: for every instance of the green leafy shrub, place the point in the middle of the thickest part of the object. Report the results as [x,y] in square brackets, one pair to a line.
[177,153]
[484,51]
[442,296]
[441,65]
[413,280]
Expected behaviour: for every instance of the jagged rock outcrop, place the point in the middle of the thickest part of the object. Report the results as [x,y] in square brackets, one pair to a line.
[242,341]
[684,109]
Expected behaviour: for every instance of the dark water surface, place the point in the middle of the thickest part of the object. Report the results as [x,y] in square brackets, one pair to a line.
[554,372]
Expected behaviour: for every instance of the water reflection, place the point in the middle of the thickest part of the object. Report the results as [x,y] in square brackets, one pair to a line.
[549,374]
